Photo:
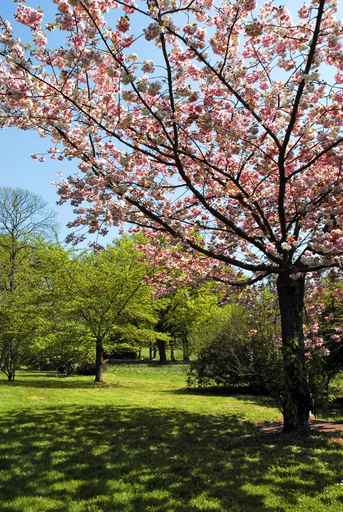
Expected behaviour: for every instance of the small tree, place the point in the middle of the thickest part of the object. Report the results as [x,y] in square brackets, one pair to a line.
[106,291]
[60,340]
[24,217]
[17,323]
[184,309]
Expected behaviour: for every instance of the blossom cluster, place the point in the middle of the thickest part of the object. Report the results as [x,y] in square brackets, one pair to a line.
[28,16]
[221,129]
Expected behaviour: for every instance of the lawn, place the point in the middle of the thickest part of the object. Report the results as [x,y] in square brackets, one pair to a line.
[143,444]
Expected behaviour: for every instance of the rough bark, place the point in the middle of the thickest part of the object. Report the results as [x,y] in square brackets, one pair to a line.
[172,353]
[161,345]
[8,362]
[296,398]
[185,349]
[99,362]
[11,376]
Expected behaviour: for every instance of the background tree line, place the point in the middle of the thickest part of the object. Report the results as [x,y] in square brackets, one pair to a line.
[58,308]
[67,311]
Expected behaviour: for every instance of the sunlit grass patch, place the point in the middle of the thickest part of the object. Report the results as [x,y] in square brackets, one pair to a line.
[144,444]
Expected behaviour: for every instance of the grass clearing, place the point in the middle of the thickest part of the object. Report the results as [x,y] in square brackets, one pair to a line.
[142,444]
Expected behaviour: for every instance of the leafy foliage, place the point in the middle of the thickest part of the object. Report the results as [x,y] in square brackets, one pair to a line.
[239,347]
[325,349]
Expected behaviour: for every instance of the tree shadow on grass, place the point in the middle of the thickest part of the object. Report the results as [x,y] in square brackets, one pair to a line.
[51,381]
[57,383]
[110,459]
[242,393]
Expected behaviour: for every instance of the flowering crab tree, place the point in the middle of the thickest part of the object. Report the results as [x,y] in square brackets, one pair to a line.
[209,122]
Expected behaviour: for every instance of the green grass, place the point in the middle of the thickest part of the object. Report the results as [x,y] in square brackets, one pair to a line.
[143,444]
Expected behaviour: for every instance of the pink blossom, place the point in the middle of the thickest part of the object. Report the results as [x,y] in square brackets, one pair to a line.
[123,24]
[304,12]
[28,16]
[280,48]
[249,4]
[40,39]
[79,41]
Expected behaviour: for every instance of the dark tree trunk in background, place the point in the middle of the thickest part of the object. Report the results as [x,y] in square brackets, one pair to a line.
[99,362]
[296,395]
[11,376]
[8,361]
[172,354]
[161,345]
[150,351]
[185,349]
[10,367]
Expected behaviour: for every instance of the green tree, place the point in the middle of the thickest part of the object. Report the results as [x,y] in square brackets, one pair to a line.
[107,292]
[60,340]
[17,317]
[24,219]
[184,309]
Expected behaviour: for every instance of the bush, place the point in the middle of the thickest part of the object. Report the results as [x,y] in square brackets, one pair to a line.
[122,351]
[323,367]
[237,355]
[62,351]
[62,365]
[325,354]
[231,363]
[86,369]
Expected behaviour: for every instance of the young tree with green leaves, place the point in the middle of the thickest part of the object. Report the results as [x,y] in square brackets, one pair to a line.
[184,309]
[106,291]
[24,219]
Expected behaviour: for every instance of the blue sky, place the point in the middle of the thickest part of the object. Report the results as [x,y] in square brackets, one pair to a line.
[17,169]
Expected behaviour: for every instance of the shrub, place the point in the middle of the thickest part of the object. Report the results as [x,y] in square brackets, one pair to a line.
[86,369]
[229,362]
[122,351]
[238,355]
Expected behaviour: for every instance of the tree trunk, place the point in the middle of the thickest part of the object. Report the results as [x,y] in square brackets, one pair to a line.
[150,352]
[8,362]
[185,349]
[13,263]
[161,345]
[11,375]
[172,354]
[154,351]
[296,398]
[99,362]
